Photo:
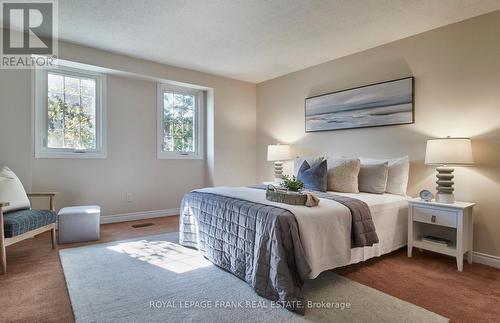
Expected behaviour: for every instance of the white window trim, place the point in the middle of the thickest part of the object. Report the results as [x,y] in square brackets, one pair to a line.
[199,123]
[40,102]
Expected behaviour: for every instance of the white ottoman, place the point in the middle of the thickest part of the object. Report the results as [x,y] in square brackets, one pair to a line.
[79,223]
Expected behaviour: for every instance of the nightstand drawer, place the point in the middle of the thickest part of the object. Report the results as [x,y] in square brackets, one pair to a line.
[435,216]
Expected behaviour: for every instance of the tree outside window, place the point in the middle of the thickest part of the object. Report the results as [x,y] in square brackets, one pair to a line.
[71,112]
[178,122]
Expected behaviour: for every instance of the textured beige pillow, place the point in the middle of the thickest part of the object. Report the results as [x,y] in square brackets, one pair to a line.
[343,175]
[373,178]
[12,191]
[397,178]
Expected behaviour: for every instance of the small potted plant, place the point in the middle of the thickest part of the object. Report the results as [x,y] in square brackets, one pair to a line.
[292,184]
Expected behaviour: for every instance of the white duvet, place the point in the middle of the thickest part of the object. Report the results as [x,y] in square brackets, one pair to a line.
[325,230]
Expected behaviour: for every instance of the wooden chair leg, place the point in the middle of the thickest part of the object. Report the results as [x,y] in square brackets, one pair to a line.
[53,236]
[3,257]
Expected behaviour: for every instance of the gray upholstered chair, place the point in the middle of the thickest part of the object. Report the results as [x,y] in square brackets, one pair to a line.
[23,224]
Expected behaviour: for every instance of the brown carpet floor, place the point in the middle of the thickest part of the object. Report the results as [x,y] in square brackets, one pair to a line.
[34,289]
[431,281]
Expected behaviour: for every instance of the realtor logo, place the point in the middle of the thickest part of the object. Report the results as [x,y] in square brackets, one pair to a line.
[29,33]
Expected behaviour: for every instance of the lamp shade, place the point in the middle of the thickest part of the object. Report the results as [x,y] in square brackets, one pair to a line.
[449,151]
[278,152]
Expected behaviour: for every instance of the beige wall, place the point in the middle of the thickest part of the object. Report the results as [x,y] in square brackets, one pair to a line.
[15,123]
[457,93]
[131,165]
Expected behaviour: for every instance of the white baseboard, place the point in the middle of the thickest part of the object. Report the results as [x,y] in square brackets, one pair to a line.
[485,259]
[138,216]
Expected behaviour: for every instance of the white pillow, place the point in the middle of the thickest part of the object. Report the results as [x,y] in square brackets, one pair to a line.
[343,175]
[399,169]
[12,191]
[312,161]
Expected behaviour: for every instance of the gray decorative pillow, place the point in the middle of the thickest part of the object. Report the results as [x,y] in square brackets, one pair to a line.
[343,175]
[314,178]
[399,168]
[373,178]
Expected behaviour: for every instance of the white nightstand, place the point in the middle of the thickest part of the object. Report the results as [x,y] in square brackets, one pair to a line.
[450,221]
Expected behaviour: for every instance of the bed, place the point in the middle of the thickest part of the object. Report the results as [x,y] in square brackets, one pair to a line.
[284,244]
[390,216]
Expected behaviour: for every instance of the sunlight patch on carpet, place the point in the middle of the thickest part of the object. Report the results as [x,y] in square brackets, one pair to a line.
[164,254]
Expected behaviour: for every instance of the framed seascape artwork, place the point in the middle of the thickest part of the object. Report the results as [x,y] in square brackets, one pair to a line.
[375,105]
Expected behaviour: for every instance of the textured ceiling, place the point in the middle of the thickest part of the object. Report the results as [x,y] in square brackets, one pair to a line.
[253,40]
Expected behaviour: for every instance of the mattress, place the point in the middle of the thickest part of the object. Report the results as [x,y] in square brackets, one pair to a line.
[390,216]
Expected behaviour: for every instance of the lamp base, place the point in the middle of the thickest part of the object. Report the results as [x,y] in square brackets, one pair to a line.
[445,198]
[278,170]
[445,185]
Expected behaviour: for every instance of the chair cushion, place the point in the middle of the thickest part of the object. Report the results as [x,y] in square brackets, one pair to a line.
[19,222]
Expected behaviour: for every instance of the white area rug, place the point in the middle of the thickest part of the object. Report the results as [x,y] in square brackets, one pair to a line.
[155,279]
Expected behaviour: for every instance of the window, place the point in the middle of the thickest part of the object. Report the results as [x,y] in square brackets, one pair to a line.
[180,125]
[69,114]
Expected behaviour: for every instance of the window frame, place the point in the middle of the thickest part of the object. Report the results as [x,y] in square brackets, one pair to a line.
[41,114]
[199,135]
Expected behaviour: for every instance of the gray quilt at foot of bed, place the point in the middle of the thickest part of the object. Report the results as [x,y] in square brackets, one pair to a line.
[258,243]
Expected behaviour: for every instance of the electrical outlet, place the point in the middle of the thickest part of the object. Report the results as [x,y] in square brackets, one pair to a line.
[129,197]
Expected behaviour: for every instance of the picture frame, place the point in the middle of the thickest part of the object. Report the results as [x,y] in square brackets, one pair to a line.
[375,105]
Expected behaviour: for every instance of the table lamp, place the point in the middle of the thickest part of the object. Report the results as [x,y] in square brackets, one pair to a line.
[278,153]
[444,152]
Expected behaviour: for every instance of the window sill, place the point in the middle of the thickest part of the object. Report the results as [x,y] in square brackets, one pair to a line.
[70,155]
[179,157]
